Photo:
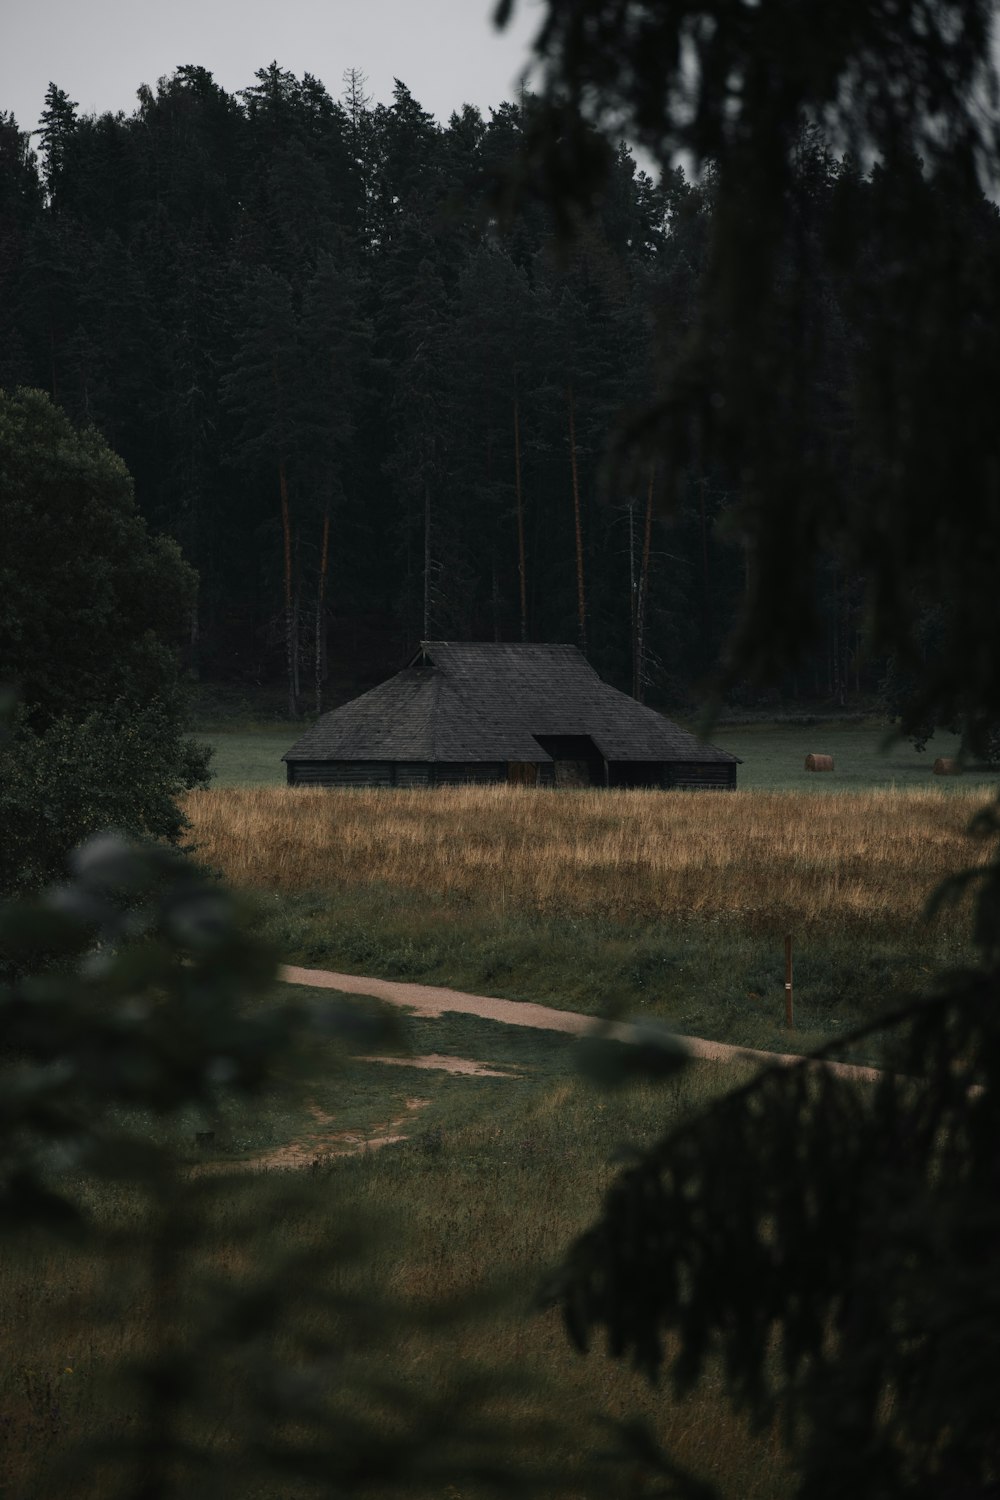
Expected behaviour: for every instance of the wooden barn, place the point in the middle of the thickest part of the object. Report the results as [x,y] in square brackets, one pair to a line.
[473,712]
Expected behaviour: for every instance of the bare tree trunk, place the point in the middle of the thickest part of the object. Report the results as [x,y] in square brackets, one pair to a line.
[844,626]
[496,597]
[427,561]
[296,632]
[633,600]
[640,631]
[291,624]
[521,568]
[52,357]
[286,534]
[835,642]
[706,572]
[581,596]
[324,558]
[837,664]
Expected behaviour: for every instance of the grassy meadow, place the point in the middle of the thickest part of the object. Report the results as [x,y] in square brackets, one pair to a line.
[474,1184]
[674,906]
[459,1223]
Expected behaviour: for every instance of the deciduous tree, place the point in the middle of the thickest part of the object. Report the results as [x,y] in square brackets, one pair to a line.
[93,610]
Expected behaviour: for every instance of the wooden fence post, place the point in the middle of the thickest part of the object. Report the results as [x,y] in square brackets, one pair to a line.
[789,1013]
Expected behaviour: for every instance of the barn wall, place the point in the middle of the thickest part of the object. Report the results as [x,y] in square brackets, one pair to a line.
[680,775]
[531,773]
[636,773]
[701,775]
[454,773]
[392,773]
[413,773]
[340,773]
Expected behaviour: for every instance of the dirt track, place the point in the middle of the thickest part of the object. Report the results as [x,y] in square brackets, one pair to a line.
[431,1000]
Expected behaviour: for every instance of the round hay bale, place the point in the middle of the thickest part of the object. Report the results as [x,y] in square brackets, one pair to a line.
[819,762]
[946,766]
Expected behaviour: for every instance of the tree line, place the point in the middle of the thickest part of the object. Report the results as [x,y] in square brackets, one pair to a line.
[371,409]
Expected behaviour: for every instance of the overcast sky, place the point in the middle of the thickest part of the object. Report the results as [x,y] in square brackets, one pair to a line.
[99,51]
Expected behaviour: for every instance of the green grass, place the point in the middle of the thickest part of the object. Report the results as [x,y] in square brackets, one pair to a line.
[333,1095]
[701,978]
[465,1219]
[503,1197]
[773,756]
[249,757]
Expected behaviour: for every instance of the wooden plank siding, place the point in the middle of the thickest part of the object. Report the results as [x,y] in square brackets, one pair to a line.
[392,773]
[413,773]
[694,776]
[340,773]
[447,773]
[675,776]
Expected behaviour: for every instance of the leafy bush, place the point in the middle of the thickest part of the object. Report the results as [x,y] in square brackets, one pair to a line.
[119,768]
[93,610]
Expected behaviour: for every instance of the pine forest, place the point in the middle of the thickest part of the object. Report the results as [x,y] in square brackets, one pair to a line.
[372,408]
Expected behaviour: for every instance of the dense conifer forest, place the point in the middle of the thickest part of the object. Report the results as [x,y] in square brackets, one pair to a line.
[371,411]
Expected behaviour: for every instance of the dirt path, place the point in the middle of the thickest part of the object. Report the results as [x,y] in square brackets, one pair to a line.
[441,1063]
[431,1000]
[325,1141]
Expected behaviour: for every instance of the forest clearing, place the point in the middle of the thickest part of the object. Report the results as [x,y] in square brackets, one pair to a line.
[514,1157]
[533,1132]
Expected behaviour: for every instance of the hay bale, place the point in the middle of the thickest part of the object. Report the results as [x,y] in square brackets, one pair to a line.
[946,766]
[819,762]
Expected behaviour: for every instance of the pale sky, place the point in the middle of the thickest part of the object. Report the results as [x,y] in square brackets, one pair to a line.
[446,51]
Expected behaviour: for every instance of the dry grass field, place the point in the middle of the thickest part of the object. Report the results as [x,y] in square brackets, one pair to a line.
[853,862]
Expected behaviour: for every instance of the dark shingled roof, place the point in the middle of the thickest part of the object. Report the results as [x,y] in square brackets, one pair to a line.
[473,701]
